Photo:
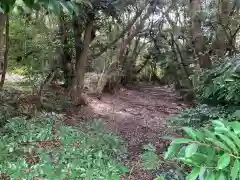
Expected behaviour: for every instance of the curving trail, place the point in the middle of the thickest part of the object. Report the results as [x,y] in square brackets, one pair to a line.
[138,115]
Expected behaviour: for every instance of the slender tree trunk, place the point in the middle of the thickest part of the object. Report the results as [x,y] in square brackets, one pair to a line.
[66,59]
[2,41]
[77,36]
[197,35]
[81,62]
[129,26]
[4,23]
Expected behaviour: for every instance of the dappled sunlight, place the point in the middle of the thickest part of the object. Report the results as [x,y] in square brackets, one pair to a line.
[144,72]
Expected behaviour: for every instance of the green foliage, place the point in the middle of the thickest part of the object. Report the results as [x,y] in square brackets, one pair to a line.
[221,84]
[150,160]
[200,115]
[31,47]
[48,150]
[211,153]
[55,6]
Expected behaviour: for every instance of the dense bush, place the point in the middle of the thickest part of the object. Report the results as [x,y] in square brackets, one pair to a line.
[47,150]
[210,153]
[221,84]
[32,46]
[201,115]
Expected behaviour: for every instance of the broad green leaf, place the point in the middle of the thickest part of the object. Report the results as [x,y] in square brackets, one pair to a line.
[218,144]
[191,150]
[234,137]
[235,126]
[190,132]
[229,142]
[182,141]
[235,170]
[194,174]
[222,176]
[210,153]
[172,150]
[209,134]
[210,176]
[221,129]
[200,135]
[218,123]
[202,171]
[189,161]
[224,161]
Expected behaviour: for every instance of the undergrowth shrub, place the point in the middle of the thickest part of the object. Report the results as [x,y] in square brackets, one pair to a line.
[201,115]
[211,153]
[41,148]
[221,84]
[153,162]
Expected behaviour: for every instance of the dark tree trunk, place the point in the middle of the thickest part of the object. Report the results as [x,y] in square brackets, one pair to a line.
[6,42]
[66,58]
[81,62]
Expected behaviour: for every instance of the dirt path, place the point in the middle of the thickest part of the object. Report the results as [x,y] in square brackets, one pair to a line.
[138,115]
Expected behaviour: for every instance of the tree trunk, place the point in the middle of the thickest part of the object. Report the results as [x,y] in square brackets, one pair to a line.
[2,41]
[222,35]
[4,22]
[77,36]
[81,62]
[197,35]
[129,26]
[65,56]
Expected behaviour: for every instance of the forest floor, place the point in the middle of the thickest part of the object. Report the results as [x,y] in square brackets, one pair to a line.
[138,115]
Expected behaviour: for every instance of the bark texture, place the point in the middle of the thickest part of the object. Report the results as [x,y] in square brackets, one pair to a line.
[81,62]
[197,35]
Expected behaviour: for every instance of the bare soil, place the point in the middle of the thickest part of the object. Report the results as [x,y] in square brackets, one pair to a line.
[138,115]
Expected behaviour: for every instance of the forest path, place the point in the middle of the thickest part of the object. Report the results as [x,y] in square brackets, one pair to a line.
[138,115]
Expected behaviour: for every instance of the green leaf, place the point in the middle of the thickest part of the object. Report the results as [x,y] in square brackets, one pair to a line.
[191,150]
[235,169]
[218,123]
[67,6]
[54,6]
[190,132]
[209,134]
[188,161]
[181,141]
[194,174]
[222,176]
[172,150]
[235,126]
[150,160]
[202,171]
[229,142]
[218,144]
[210,176]
[224,161]
[234,137]
[200,135]
[221,129]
